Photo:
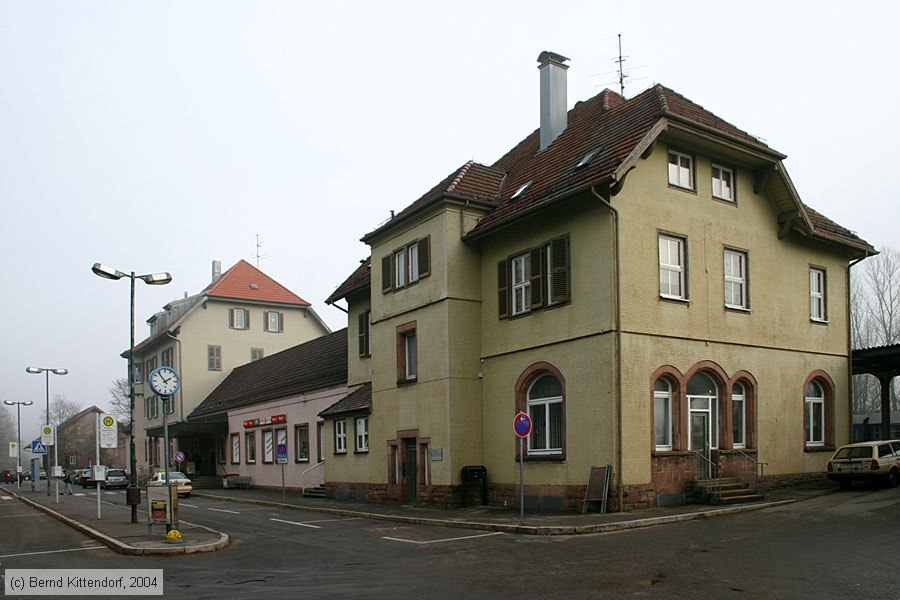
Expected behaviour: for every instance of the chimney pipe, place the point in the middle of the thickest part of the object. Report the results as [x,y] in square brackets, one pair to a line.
[216,270]
[553,96]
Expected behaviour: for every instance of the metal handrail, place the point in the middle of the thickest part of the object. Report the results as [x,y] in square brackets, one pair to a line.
[303,476]
[714,469]
[760,471]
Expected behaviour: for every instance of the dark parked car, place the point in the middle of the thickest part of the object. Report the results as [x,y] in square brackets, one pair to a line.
[7,476]
[81,475]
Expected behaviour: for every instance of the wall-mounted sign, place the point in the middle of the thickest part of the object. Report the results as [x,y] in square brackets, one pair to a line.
[261,421]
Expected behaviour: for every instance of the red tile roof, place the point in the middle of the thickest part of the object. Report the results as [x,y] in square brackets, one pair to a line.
[243,281]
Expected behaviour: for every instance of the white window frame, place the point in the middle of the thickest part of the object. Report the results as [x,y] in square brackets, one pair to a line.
[362,434]
[400,271]
[410,349]
[722,183]
[274,321]
[815,404]
[818,295]
[340,436]
[268,446]
[298,443]
[739,406]
[681,174]
[663,397]
[257,354]
[412,263]
[671,269]
[736,282]
[250,447]
[520,283]
[546,405]
[213,357]
[239,318]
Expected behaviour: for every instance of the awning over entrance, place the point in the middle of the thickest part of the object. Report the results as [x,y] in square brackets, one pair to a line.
[182,428]
[884,363]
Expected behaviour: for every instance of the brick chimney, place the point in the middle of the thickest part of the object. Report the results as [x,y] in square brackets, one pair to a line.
[553,95]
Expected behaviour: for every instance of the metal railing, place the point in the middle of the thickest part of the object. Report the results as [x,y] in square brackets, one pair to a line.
[758,470]
[143,475]
[708,470]
[316,479]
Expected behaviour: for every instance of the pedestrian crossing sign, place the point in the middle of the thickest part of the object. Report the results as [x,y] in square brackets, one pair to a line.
[38,448]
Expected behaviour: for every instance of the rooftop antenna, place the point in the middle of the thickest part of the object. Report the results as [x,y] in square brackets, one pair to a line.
[622,75]
[258,247]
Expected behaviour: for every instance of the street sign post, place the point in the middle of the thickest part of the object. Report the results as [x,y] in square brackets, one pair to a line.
[109,432]
[13,450]
[179,456]
[522,427]
[47,435]
[37,447]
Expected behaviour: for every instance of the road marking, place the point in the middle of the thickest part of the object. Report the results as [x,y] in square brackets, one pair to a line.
[53,551]
[79,494]
[22,515]
[234,512]
[334,520]
[188,505]
[465,537]
[6,497]
[296,523]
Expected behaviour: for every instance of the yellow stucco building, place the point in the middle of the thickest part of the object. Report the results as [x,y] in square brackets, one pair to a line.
[637,275]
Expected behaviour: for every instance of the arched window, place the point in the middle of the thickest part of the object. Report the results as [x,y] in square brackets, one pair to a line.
[814,414]
[546,409]
[739,416]
[703,413]
[662,414]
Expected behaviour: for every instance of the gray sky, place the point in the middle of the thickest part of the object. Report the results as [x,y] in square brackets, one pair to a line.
[159,136]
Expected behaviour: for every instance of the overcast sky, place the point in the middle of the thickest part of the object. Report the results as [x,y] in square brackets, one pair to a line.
[160,136]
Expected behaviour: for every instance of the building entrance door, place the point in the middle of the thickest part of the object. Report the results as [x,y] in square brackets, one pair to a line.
[410,470]
[700,441]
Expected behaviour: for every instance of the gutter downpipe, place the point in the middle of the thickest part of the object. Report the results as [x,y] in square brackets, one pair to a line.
[618,303]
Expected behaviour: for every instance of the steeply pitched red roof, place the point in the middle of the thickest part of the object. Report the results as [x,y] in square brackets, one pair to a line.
[243,281]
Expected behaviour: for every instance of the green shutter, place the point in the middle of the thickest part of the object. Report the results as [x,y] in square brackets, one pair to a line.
[559,270]
[386,274]
[424,257]
[503,289]
[536,278]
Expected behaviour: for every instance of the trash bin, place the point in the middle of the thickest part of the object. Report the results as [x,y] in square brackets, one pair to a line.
[133,495]
[471,475]
[225,482]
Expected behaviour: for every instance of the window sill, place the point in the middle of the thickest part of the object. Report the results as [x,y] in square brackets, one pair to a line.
[301,461]
[366,451]
[738,309]
[676,299]
[814,449]
[729,201]
[681,188]
[401,382]
[818,321]
[543,457]
[671,453]
[340,453]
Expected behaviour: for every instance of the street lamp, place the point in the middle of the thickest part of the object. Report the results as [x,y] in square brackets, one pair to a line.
[46,371]
[106,272]
[18,404]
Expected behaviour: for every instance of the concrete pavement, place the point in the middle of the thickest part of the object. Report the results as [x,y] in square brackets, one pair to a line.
[116,530]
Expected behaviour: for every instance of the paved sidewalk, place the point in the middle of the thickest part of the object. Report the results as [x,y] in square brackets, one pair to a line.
[116,530]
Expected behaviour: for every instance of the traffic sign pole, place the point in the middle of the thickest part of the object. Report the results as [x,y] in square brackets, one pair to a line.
[522,428]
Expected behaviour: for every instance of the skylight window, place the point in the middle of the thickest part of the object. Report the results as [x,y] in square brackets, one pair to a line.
[587,158]
[520,191]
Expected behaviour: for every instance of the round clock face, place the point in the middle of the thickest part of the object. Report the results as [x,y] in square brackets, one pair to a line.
[164,381]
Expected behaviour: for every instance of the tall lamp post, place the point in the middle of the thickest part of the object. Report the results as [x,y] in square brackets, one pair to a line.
[106,272]
[18,404]
[46,371]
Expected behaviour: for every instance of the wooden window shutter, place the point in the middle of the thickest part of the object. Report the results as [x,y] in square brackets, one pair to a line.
[266,320]
[386,278]
[536,278]
[559,270]
[246,318]
[503,289]
[363,322]
[401,357]
[424,257]
[231,318]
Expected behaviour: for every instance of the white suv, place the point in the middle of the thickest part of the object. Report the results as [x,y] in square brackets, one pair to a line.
[866,461]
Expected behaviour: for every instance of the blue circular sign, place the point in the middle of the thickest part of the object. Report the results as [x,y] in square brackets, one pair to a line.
[522,425]
[179,456]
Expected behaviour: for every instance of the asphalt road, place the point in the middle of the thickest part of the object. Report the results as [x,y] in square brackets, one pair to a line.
[842,545]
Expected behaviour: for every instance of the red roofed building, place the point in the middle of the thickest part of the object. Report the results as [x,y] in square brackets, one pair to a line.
[637,275]
[241,316]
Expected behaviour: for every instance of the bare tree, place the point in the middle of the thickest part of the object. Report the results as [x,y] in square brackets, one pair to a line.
[875,321]
[7,433]
[120,400]
[62,409]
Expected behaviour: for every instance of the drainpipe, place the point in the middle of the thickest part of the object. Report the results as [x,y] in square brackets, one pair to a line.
[618,303]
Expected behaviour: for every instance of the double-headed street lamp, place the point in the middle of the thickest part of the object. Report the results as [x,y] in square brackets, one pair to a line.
[151,279]
[46,371]
[18,404]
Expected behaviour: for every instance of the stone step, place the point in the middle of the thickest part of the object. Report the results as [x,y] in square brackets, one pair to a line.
[751,497]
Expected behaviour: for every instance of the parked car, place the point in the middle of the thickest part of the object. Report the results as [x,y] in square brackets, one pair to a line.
[183,483]
[115,478]
[7,476]
[866,461]
[81,475]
